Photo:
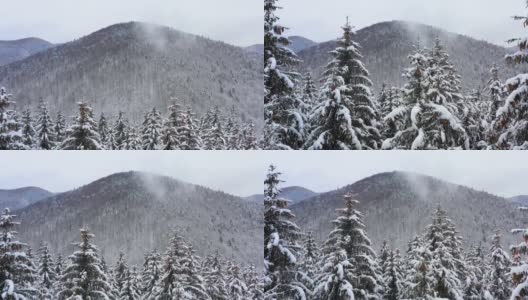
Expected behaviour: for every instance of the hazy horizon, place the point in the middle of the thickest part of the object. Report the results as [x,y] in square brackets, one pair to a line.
[242,173]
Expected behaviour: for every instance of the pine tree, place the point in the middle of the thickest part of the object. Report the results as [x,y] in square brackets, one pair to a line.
[82,134]
[10,135]
[348,118]
[349,232]
[498,281]
[233,134]
[496,100]
[28,130]
[151,132]
[282,107]
[59,129]
[44,128]
[280,243]
[59,264]
[17,272]
[83,278]
[188,132]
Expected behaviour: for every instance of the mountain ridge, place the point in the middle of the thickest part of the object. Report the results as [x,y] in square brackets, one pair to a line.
[136,212]
[22,197]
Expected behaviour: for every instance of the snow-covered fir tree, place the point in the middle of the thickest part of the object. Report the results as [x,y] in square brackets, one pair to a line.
[46,273]
[281,247]
[285,122]
[309,92]
[237,287]
[418,282]
[10,135]
[393,276]
[519,268]
[120,132]
[28,130]
[348,119]
[512,118]
[129,290]
[349,232]
[17,271]
[498,280]
[188,132]
[249,139]
[215,279]
[214,138]
[171,126]
[120,272]
[133,142]
[496,100]
[104,131]
[427,116]
[44,127]
[59,130]
[151,130]
[82,134]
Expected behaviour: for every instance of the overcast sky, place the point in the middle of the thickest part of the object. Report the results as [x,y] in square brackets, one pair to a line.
[242,173]
[483,19]
[237,22]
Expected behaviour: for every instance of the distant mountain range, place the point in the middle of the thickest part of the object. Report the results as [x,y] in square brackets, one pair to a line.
[135,212]
[521,199]
[136,66]
[22,197]
[11,51]
[398,205]
[297,43]
[295,194]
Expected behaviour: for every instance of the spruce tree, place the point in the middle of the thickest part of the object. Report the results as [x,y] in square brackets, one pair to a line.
[129,290]
[427,116]
[28,130]
[349,231]
[215,138]
[151,131]
[46,272]
[171,127]
[44,128]
[104,132]
[309,92]
[120,272]
[17,272]
[120,132]
[418,281]
[59,129]
[393,276]
[282,107]
[83,278]
[510,121]
[215,279]
[498,279]
[249,140]
[348,119]
[132,141]
[519,266]
[10,135]
[151,274]
[237,287]
[82,134]
[280,243]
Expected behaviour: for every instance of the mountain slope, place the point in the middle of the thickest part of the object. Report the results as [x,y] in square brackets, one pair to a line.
[295,194]
[11,51]
[299,43]
[399,205]
[136,66]
[135,212]
[386,47]
[22,197]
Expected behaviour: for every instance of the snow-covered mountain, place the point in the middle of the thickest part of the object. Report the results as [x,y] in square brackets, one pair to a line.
[11,51]
[299,43]
[295,194]
[399,205]
[386,46]
[136,66]
[135,212]
[257,48]
[22,197]
[521,199]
